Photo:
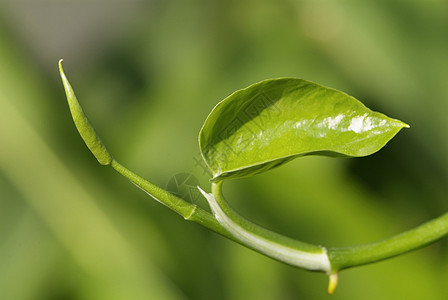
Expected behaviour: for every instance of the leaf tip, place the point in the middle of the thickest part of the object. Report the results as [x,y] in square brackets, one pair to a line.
[402,124]
[201,190]
[61,69]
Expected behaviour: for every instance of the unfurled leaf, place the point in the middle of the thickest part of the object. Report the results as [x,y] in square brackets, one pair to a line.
[271,122]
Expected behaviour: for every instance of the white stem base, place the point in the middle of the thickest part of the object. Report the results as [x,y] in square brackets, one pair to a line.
[291,256]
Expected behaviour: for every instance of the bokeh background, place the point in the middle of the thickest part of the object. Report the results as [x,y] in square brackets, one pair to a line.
[147,74]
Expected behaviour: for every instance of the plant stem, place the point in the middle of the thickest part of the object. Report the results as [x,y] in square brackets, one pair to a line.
[187,210]
[427,233]
[269,243]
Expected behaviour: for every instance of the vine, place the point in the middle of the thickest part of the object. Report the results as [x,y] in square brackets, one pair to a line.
[263,127]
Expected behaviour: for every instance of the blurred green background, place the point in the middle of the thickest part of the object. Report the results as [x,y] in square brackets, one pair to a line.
[147,74]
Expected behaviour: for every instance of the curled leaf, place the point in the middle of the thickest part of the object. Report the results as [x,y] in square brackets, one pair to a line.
[83,125]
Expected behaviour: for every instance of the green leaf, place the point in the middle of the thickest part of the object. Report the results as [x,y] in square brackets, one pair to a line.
[274,121]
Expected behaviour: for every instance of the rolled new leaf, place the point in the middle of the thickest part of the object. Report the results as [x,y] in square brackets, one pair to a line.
[86,130]
[271,122]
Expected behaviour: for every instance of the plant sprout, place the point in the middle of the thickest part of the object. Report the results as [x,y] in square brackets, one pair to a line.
[263,127]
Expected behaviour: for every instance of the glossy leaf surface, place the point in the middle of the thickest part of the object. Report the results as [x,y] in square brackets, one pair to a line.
[271,122]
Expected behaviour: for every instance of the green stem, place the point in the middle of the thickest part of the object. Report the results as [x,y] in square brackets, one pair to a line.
[425,234]
[186,209]
[230,224]
[269,243]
